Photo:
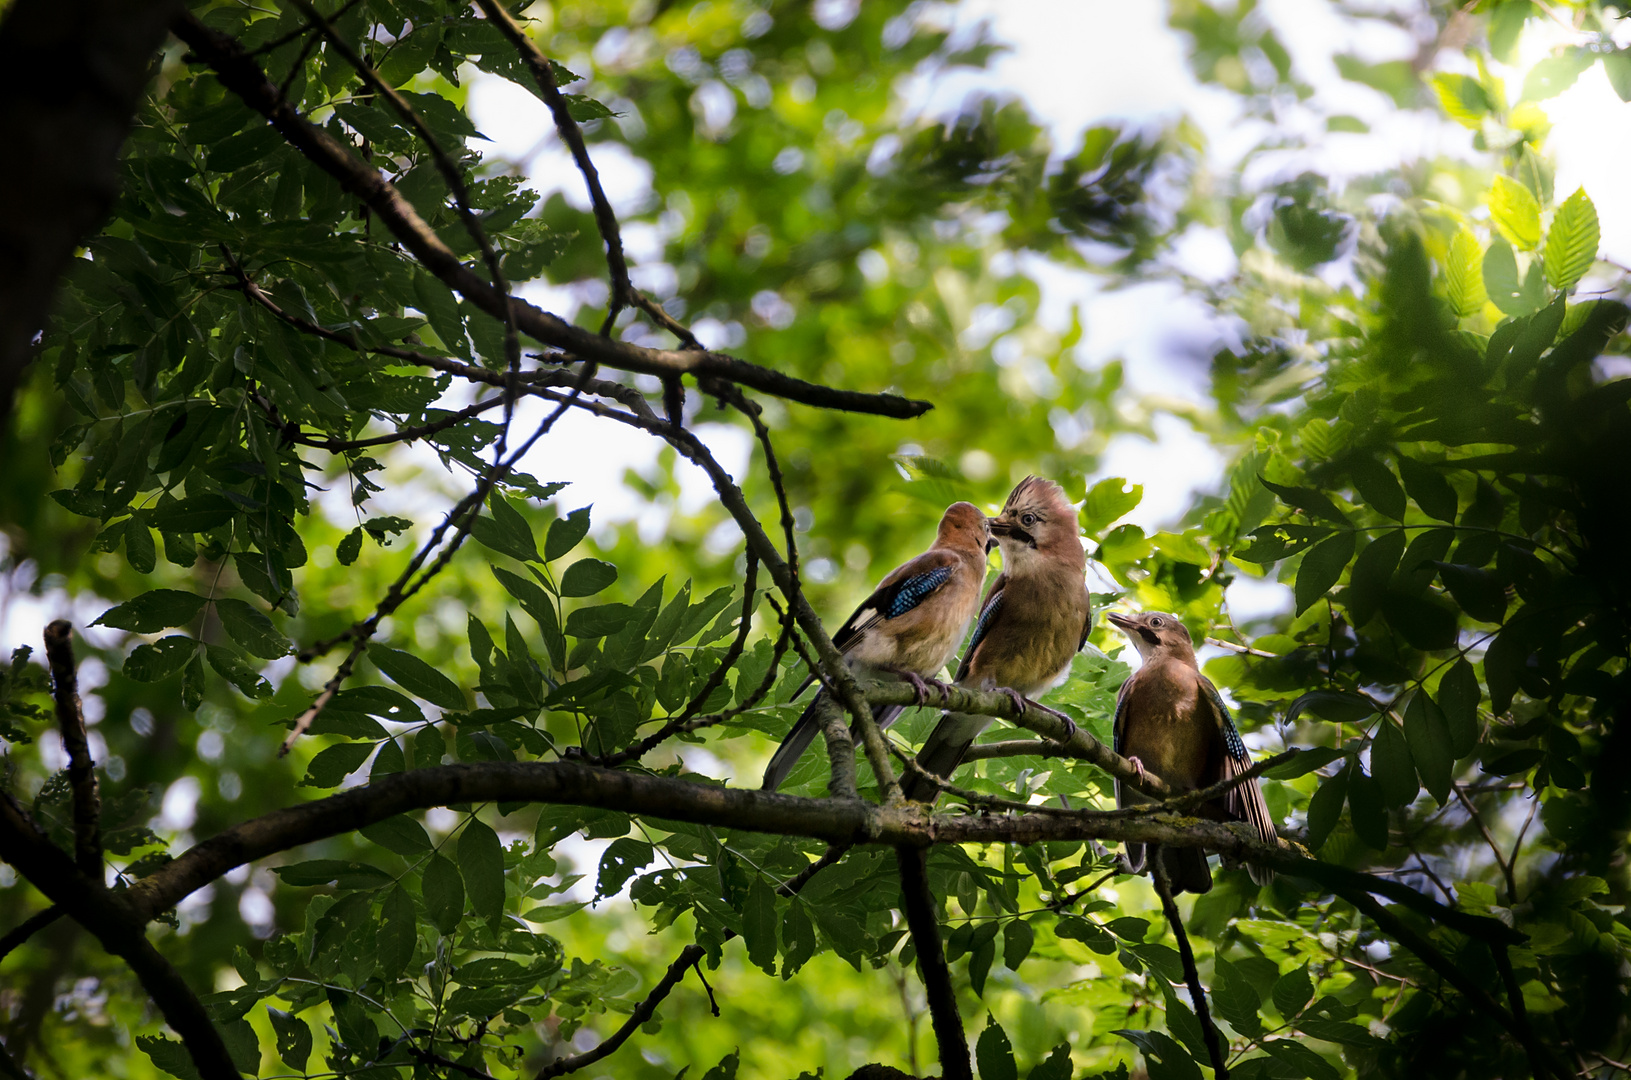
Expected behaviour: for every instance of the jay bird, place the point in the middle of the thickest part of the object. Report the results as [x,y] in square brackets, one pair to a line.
[1034,621]
[1171,721]
[909,626]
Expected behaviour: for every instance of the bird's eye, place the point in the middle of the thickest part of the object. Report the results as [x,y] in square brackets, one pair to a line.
[1027,520]
[1158,622]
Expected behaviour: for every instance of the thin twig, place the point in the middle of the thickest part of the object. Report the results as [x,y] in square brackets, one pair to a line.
[1500,859]
[1520,1013]
[243,77]
[1215,1046]
[605,220]
[642,1012]
[917,904]
[28,928]
[59,652]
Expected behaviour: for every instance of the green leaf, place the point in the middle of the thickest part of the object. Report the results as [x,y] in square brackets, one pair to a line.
[798,939]
[1375,482]
[1429,736]
[565,533]
[1506,26]
[1463,98]
[1311,502]
[334,763]
[587,577]
[153,611]
[1617,66]
[398,934]
[994,1053]
[1292,991]
[1107,502]
[1305,762]
[1555,74]
[194,514]
[401,834]
[1301,1060]
[1017,939]
[623,858]
[1458,697]
[1164,1058]
[1321,568]
[253,630]
[725,1070]
[139,548]
[160,660]
[343,873]
[1571,244]
[1479,592]
[1325,807]
[759,925]
[1512,295]
[506,531]
[594,622]
[1368,814]
[1392,765]
[1428,487]
[443,892]
[192,683]
[1056,1066]
[1513,209]
[169,1055]
[1236,999]
[1372,572]
[238,671]
[293,1038]
[481,861]
[347,550]
[1464,285]
[1092,935]
[417,677]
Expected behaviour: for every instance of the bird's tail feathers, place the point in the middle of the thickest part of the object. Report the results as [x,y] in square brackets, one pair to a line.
[798,739]
[943,752]
[1246,803]
[803,733]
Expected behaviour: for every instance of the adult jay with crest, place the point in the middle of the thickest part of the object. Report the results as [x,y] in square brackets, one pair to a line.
[909,626]
[1034,621]
[1172,723]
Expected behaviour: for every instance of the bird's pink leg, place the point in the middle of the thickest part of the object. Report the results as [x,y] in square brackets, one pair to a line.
[919,687]
[1143,774]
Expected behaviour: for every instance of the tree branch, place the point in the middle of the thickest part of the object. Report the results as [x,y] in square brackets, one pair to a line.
[642,1012]
[918,906]
[111,920]
[240,74]
[28,928]
[59,652]
[1216,1048]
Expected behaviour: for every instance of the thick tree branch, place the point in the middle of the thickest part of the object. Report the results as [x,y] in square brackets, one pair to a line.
[71,75]
[59,652]
[240,74]
[1216,1048]
[917,904]
[111,920]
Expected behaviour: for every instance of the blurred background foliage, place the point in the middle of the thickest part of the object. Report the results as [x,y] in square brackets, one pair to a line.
[1417,360]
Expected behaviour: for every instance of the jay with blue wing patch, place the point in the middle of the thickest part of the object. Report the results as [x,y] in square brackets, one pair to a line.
[909,626]
[1171,722]
[1034,621]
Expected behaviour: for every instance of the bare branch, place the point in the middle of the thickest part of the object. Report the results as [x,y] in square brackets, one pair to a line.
[918,906]
[642,1012]
[1216,1048]
[28,928]
[605,220]
[109,917]
[59,651]
[239,73]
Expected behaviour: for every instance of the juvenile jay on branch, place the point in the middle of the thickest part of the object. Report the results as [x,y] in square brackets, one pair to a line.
[909,626]
[1034,621]
[1172,723]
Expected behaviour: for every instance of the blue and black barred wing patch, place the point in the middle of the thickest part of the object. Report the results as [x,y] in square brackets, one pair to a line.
[911,592]
[1232,741]
[988,615]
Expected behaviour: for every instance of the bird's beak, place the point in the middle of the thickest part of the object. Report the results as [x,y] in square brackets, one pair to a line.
[999,527]
[1124,623]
